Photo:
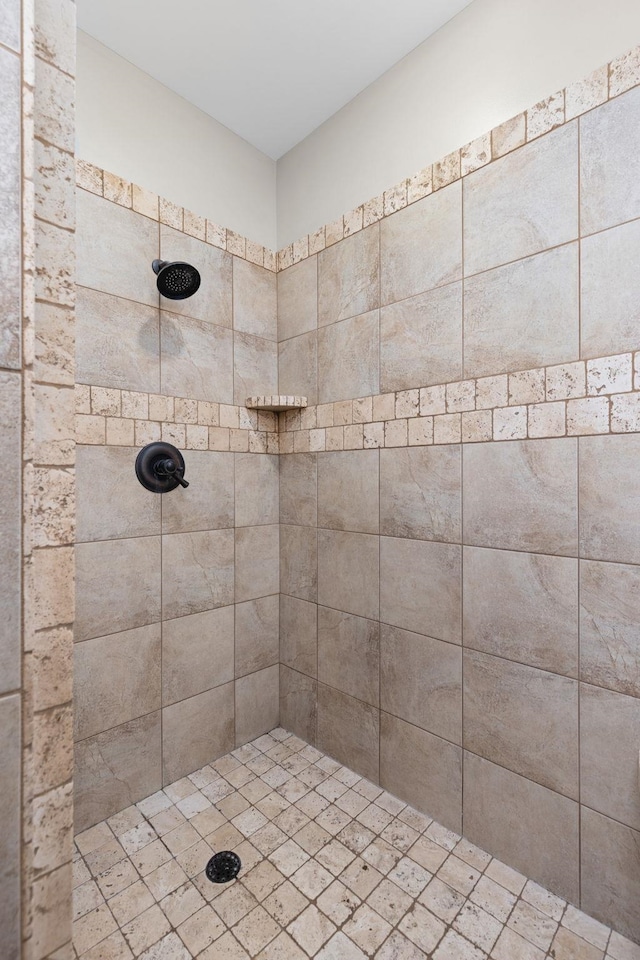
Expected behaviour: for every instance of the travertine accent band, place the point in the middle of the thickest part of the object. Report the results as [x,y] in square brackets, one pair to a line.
[580,398]
[127,418]
[605,83]
[125,194]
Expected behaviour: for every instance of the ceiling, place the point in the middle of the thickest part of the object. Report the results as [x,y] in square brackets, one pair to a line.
[270,70]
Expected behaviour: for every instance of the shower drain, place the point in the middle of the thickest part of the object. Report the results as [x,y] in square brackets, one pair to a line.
[223,867]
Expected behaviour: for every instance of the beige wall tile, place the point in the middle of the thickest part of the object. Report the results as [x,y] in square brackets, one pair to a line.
[54,360]
[117,249]
[10,883]
[348,491]
[523,314]
[584,95]
[420,587]
[299,635]
[348,654]
[298,366]
[298,704]
[10,511]
[111,503]
[349,730]
[523,607]
[197,572]
[421,339]
[609,519]
[298,299]
[348,572]
[256,481]
[299,562]
[257,704]
[523,718]
[255,367]
[54,118]
[115,769]
[610,872]
[522,203]
[257,563]
[527,826]
[298,489]
[521,495]
[117,679]
[421,246]
[255,307]
[609,737]
[197,653]
[212,302]
[117,342]
[348,275]
[609,149]
[348,358]
[421,769]
[55,179]
[609,625]
[197,359]
[117,586]
[420,493]
[51,896]
[421,681]
[610,289]
[257,635]
[197,731]
[207,503]
[509,135]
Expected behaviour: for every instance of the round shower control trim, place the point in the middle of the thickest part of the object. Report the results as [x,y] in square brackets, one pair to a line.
[160,467]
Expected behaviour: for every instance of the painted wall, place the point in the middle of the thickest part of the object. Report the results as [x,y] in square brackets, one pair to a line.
[493,60]
[133,126]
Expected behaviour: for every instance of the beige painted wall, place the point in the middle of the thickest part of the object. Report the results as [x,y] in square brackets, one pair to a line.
[130,124]
[493,60]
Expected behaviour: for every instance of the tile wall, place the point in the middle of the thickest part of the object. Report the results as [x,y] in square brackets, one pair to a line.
[458,506]
[176,632]
[37,198]
[459,616]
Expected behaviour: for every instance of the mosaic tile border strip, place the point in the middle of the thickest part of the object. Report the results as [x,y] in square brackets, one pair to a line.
[149,204]
[605,83]
[581,398]
[126,418]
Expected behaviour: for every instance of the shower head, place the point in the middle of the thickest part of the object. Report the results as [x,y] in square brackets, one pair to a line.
[176,281]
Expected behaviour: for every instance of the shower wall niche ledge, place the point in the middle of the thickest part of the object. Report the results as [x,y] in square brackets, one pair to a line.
[276,403]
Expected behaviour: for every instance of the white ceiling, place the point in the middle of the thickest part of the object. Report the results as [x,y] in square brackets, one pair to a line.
[270,70]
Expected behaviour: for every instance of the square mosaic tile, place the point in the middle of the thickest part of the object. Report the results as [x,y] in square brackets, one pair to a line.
[333,867]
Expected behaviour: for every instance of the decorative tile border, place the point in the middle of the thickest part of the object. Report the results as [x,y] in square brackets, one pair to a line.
[579,398]
[114,417]
[605,83]
[129,195]
[584,397]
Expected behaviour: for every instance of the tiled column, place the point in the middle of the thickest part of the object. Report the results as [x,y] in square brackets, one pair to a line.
[48,454]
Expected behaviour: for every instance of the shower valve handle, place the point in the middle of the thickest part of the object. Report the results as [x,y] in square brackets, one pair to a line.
[169,468]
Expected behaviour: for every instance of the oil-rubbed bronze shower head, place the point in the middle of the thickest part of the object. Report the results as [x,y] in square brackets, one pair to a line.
[177,280]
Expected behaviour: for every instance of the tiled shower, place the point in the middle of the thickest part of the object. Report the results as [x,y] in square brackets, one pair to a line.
[426,578]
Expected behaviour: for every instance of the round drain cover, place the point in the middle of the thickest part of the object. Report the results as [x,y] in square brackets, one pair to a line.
[223,867]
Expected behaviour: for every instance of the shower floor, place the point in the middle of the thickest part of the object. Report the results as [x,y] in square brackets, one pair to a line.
[333,867]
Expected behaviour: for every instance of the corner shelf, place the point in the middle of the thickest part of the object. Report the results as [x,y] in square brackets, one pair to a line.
[276,403]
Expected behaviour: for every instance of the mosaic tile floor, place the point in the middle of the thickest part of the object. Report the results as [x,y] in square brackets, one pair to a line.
[332,868]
